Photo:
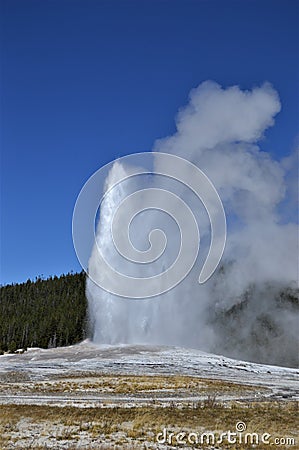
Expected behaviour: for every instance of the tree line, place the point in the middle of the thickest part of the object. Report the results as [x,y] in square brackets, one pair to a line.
[43,313]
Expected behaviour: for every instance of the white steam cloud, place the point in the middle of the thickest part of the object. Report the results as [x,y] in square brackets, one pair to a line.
[248,308]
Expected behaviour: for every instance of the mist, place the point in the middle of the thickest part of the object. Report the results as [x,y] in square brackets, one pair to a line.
[249,308]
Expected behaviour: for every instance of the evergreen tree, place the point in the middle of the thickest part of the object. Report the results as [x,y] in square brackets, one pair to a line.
[45,313]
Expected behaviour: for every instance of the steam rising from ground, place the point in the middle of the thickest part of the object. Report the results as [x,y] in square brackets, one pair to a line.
[248,308]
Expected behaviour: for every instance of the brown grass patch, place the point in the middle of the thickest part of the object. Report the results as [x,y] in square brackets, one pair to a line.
[139,425]
[129,384]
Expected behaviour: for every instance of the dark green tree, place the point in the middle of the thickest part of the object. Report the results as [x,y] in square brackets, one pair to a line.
[44,313]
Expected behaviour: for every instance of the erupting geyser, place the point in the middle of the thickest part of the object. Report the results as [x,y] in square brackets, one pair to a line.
[248,308]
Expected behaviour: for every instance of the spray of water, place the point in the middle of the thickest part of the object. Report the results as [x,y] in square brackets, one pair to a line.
[248,308]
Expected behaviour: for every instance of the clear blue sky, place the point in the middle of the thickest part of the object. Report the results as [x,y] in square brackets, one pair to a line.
[85,81]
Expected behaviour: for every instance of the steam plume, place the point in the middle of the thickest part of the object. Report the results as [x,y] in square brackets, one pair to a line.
[248,308]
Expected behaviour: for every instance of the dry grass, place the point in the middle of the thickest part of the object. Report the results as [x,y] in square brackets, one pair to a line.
[136,426]
[126,384]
